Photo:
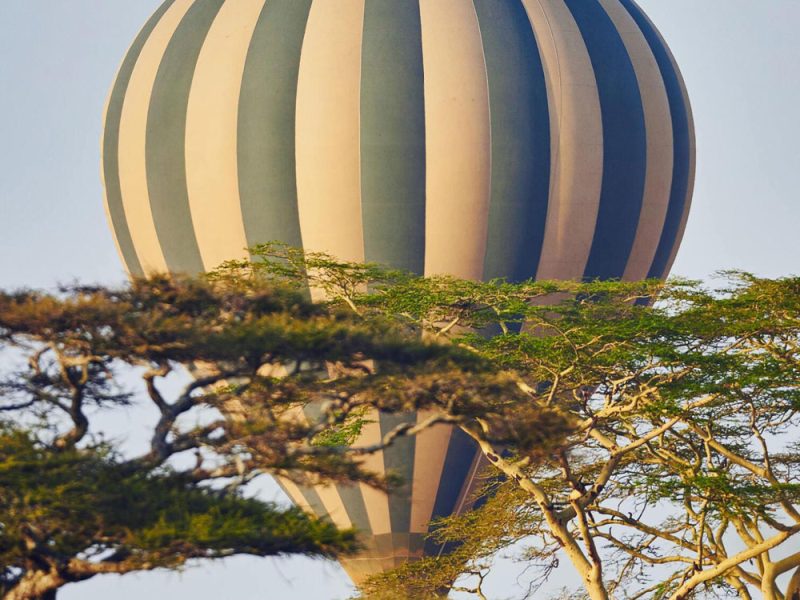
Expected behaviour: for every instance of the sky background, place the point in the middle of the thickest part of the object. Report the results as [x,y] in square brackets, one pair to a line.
[740,59]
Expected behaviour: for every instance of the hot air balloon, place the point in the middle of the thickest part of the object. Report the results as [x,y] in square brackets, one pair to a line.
[547,139]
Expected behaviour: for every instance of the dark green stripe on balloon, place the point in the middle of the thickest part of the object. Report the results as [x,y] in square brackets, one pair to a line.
[166,139]
[681,144]
[266,130]
[393,135]
[520,125]
[458,462]
[624,141]
[353,501]
[398,459]
[314,501]
[292,499]
[111,144]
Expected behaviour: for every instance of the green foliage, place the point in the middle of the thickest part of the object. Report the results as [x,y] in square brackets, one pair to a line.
[64,508]
[258,353]
[344,434]
[472,541]
[639,426]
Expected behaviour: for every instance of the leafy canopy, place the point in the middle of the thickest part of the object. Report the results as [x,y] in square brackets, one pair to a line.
[641,432]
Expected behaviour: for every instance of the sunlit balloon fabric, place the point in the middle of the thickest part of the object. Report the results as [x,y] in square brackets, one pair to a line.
[477,138]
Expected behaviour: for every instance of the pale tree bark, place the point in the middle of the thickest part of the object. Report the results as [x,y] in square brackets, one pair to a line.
[590,570]
[36,585]
[726,566]
[793,590]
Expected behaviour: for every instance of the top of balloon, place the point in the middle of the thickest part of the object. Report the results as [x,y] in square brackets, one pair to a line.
[480,138]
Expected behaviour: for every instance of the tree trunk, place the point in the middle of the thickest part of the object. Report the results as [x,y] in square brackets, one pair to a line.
[793,591]
[36,585]
[769,590]
[596,589]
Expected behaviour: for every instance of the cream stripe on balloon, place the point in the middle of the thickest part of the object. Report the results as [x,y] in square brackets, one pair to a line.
[578,162]
[211,134]
[375,501]
[457,139]
[334,506]
[133,138]
[327,494]
[658,125]
[429,457]
[327,130]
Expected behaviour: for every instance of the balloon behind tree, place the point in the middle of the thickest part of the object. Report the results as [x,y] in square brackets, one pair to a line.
[479,138]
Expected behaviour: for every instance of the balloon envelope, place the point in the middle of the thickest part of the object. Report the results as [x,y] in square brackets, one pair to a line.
[547,139]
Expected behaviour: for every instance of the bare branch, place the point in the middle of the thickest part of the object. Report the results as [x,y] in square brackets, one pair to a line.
[726,565]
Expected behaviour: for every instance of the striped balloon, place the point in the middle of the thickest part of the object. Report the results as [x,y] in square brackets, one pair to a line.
[479,138]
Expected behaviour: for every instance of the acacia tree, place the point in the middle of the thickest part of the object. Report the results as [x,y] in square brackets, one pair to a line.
[72,506]
[69,514]
[647,444]
[675,474]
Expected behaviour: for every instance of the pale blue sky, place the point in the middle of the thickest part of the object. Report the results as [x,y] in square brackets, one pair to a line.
[740,59]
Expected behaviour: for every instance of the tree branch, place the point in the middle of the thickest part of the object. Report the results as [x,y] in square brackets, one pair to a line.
[726,565]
